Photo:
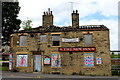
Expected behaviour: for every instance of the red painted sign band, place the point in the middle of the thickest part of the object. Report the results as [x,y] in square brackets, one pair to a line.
[78,49]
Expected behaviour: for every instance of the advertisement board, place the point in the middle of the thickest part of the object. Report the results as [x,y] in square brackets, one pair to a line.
[46,60]
[98,60]
[10,61]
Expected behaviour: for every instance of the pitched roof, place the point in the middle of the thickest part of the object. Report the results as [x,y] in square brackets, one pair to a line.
[65,29]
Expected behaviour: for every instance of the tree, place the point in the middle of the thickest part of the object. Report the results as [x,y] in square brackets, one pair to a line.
[119,55]
[112,55]
[26,24]
[10,23]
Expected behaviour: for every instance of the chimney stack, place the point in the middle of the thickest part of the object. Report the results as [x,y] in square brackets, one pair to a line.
[75,19]
[47,18]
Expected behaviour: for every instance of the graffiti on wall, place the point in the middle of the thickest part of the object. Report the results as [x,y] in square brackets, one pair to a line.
[22,60]
[89,59]
[56,61]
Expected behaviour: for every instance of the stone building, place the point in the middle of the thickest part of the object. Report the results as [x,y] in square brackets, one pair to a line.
[115,62]
[83,50]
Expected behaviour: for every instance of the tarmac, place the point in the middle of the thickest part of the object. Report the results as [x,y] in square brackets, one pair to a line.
[7,75]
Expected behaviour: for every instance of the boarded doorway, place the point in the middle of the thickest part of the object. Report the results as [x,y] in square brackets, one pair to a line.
[37,63]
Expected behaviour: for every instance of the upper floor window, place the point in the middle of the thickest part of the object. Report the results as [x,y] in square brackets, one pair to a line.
[56,40]
[88,39]
[43,38]
[22,41]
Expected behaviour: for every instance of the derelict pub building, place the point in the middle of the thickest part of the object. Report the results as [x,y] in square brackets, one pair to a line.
[83,50]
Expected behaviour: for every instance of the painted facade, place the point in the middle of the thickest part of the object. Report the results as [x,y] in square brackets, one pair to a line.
[83,50]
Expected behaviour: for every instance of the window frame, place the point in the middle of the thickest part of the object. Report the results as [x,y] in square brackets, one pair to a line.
[93,59]
[57,53]
[19,61]
[46,38]
[19,41]
[56,40]
[100,59]
[86,39]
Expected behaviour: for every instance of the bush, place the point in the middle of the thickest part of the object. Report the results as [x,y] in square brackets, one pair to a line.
[5,68]
[115,72]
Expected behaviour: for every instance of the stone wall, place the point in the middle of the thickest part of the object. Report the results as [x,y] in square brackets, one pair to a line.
[71,63]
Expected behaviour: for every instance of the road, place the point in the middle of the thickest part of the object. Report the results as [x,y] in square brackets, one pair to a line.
[8,74]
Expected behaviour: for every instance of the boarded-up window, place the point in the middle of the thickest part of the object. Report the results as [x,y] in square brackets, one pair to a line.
[42,38]
[55,37]
[56,60]
[22,41]
[88,39]
[89,59]
[22,60]
[56,40]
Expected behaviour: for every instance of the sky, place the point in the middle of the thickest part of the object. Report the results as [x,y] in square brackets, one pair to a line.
[91,12]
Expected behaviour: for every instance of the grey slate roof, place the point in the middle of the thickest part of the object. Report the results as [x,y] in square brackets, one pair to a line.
[65,29]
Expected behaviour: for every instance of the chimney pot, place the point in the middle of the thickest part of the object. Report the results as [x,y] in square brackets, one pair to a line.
[73,11]
[48,10]
[76,11]
[44,13]
[51,12]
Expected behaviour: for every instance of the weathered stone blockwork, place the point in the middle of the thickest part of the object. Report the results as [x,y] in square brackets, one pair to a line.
[71,62]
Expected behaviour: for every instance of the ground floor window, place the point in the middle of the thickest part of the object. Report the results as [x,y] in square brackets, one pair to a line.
[89,59]
[55,60]
[22,60]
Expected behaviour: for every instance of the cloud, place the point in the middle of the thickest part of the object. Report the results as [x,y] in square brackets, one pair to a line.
[107,9]
[62,9]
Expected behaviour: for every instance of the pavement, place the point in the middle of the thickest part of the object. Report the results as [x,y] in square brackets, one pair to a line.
[10,75]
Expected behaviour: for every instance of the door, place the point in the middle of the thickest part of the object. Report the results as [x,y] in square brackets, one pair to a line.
[37,63]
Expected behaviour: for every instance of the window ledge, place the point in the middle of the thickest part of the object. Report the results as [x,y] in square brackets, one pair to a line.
[55,67]
[86,67]
[55,46]
[43,42]
[21,67]
[23,53]
[22,46]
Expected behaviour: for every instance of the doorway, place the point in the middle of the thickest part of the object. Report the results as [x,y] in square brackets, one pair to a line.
[37,63]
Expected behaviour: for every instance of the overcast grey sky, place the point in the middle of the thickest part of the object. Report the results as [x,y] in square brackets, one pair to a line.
[91,12]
